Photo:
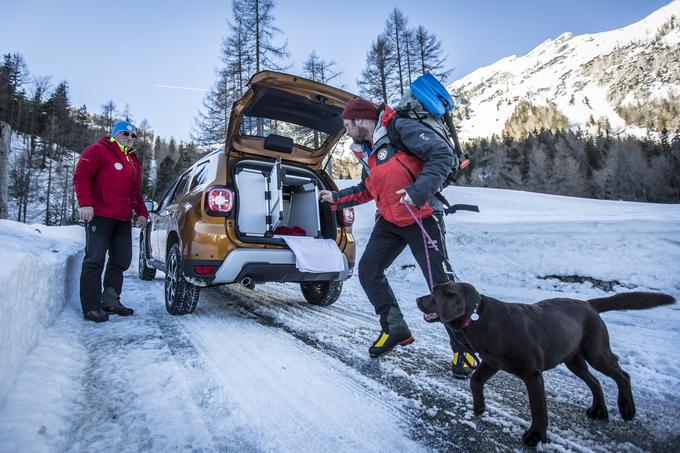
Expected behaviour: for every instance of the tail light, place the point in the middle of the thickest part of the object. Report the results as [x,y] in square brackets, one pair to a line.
[204,270]
[219,201]
[347,217]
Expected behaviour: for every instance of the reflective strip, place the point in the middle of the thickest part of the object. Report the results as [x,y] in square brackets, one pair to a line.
[466,358]
[381,341]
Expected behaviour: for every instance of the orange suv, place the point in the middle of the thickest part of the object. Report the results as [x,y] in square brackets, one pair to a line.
[221,221]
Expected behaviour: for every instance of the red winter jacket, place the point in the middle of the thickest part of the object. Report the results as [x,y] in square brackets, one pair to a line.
[109,181]
[390,171]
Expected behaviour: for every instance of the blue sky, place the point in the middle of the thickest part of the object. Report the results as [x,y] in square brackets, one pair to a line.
[123,50]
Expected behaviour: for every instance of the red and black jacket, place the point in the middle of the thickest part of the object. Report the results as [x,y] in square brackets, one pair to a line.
[109,181]
[420,171]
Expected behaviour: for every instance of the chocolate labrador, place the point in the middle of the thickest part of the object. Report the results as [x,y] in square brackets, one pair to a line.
[527,339]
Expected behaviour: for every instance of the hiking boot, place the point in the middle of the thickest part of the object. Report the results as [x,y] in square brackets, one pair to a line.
[119,309]
[387,341]
[463,364]
[98,315]
[111,303]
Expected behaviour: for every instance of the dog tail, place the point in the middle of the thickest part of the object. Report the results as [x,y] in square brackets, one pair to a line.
[631,301]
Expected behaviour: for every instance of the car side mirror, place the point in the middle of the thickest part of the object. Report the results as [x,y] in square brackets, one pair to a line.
[151,205]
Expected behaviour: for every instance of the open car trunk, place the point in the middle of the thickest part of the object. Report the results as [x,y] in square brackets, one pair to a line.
[272,198]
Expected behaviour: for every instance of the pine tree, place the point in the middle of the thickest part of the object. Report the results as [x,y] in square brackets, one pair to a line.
[164,178]
[213,119]
[13,76]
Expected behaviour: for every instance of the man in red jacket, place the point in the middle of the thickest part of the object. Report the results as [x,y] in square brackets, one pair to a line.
[108,182]
[394,178]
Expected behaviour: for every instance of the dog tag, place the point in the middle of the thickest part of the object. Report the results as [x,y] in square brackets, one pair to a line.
[474,317]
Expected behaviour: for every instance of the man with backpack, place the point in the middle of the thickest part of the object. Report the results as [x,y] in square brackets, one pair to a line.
[401,183]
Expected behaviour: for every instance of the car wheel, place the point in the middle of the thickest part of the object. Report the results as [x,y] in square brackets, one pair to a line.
[181,297]
[144,272]
[321,293]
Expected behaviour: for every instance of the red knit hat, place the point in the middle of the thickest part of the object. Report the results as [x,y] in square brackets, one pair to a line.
[360,109]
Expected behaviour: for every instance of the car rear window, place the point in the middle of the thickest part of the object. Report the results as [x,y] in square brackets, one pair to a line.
[301,135]
[307,120]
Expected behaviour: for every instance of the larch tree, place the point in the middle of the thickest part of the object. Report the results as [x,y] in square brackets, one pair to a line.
[429,53]
[248,48]
[396,27]
[318,69]
[108,111]
[378,75]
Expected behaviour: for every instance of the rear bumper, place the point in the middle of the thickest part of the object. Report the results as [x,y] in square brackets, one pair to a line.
[270,265]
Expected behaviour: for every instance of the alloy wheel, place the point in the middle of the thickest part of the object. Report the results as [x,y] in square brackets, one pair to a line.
[171,279]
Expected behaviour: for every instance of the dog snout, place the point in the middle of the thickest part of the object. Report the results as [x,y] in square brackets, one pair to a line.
[425,303]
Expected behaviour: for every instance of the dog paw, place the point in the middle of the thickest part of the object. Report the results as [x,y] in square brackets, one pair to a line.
[478,409]
[627,411]
[533,437]
[597,413]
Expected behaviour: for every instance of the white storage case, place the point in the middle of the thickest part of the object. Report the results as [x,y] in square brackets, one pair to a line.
[269,198]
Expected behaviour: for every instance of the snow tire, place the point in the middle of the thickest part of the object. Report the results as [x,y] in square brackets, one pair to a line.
[321,293]
[181,297]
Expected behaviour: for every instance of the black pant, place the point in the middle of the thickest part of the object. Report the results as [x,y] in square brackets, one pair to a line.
[460,342]
[104,235]
[386,243]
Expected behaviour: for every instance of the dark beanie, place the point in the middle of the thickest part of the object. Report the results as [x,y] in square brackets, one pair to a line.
[360,109]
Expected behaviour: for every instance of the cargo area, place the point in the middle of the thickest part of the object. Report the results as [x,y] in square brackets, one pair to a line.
[275,198]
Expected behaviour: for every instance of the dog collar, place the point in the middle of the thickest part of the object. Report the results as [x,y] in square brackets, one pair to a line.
[474,316]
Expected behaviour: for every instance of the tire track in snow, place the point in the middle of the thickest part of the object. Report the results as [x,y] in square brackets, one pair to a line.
[442,408]
[434,419]
[144,389]
[438,407]
[296,398]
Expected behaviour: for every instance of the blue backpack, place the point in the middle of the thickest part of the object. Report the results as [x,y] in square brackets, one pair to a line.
[428,102]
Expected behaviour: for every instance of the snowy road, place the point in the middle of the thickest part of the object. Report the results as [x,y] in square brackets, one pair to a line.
[261,370]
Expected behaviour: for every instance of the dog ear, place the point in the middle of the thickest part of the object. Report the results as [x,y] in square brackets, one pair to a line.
[450,304]
[469,293]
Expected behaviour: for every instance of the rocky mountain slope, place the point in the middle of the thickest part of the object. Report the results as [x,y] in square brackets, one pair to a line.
[625,80]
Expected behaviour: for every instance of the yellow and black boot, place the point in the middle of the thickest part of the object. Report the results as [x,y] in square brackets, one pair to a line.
[388,340]
[463,364]
[394,332]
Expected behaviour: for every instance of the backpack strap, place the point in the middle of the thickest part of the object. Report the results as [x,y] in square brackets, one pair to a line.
[389,121]
[451,209]
[395,138]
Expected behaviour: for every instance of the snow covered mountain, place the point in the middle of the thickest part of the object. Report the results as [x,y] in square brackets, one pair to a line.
[626,80]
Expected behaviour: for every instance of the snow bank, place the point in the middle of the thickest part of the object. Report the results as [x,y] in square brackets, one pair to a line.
[39,271]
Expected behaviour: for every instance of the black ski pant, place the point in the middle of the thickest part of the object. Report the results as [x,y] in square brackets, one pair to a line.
[104,235]
[386,243]
[459,343]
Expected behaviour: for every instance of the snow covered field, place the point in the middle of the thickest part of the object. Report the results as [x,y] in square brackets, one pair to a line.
[263,371]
